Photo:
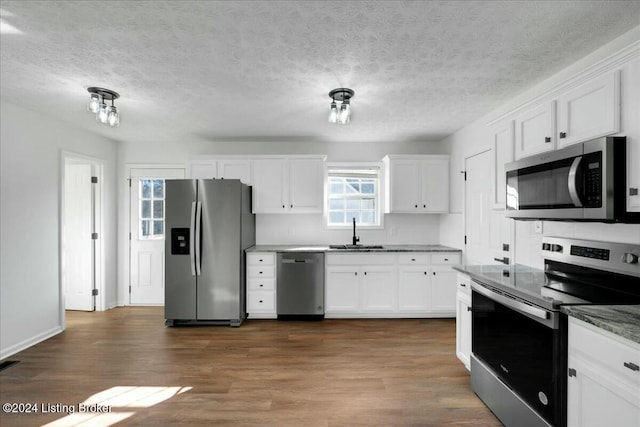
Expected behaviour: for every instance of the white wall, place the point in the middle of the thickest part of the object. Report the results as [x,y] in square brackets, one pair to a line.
[477,137]
[31,147]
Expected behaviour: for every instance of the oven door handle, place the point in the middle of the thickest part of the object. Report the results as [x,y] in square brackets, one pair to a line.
[573,188]
[510,302]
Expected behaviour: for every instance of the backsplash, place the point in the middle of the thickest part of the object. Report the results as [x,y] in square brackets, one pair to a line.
[310,229]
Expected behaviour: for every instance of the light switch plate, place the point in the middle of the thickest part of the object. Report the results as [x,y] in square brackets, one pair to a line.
[537,227]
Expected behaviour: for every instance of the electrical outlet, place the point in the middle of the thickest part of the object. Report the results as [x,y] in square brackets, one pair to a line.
[537,227]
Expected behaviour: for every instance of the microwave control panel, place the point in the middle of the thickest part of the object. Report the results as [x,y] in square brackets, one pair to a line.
[592,173]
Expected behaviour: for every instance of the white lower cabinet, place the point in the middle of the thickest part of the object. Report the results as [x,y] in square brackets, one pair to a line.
[342,289]
[391,285]
[261,285]
[603,388]
[378,286]
[463,319]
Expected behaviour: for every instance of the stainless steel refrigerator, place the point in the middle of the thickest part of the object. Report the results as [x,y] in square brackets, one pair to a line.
[209,225]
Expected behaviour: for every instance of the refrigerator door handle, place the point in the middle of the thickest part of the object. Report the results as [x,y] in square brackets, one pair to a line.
[198,233]
[191,239]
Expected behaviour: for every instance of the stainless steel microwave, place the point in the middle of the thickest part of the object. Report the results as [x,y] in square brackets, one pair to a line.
[583,182]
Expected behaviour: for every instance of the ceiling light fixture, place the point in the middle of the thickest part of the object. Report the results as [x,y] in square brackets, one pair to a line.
[343,115]
[109,115]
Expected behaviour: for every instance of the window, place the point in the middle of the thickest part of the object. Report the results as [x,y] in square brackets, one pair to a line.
[151,208]
[353,192]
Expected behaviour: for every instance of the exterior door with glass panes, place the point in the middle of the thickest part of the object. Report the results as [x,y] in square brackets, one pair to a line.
[146,280]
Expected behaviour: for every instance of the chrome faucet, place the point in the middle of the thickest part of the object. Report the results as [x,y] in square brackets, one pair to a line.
[356,239]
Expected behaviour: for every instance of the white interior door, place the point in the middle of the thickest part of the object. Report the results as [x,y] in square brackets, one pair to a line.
[146,281]
[78,245]
[478,208]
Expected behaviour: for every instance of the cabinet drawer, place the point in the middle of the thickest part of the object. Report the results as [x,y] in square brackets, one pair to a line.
[261,301]
[605,350]
[361,259]
[258,271]
[262,284]
[446,258]
[414,258]
[464,283]
[261,258]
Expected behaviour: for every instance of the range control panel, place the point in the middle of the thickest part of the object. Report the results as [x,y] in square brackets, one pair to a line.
[588,252]
[609,256]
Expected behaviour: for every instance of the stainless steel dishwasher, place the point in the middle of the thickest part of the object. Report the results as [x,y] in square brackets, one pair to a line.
[300,285]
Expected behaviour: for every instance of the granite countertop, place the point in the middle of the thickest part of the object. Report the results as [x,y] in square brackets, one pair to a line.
[520,280]
[622,320]
[326,248]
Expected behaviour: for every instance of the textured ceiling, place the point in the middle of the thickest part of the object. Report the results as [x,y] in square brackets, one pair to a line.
[261,70]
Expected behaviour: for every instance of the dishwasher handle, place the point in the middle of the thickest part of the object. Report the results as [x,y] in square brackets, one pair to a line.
[294,261]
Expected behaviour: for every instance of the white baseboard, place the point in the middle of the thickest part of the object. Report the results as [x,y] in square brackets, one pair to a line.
[29,342]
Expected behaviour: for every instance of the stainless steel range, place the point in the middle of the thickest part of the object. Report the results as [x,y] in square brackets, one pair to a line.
[519,335]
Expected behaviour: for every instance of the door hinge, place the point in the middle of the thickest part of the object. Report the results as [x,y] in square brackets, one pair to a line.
[94,292]
[129,182]
[94,179]
[94,236]
[129,235]
[129,288]
[465,174]
[572,372]
[465,239]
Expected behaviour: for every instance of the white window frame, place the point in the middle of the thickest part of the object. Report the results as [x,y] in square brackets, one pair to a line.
[152,199]
[379,198]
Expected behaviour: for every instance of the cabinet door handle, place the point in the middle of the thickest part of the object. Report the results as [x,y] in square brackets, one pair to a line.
[631,366]
[434,273]
[463,285]
[365,273]
[425,273]
[563,134]
[446,259]
[547,139]
[424,206]
[291,206]
[261,285]
[416,206]
[260,301]
[413,259]
[356,273]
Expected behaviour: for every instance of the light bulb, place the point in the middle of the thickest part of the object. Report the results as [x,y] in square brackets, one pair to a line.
[345,113]
[113,117]
[333,114]
[103,113]
[94,103]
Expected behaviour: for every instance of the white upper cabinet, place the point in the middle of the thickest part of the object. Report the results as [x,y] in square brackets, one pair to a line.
[306,185]
[235,169]
[288,185]
[631,129]
[417,184]
[269,187]
[502,146]
[221,168]
[590,110]
[535,130]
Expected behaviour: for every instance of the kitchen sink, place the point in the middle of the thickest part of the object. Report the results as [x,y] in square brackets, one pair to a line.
[356,247]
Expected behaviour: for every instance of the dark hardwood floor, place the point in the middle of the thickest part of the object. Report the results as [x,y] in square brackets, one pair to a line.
[392,372]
